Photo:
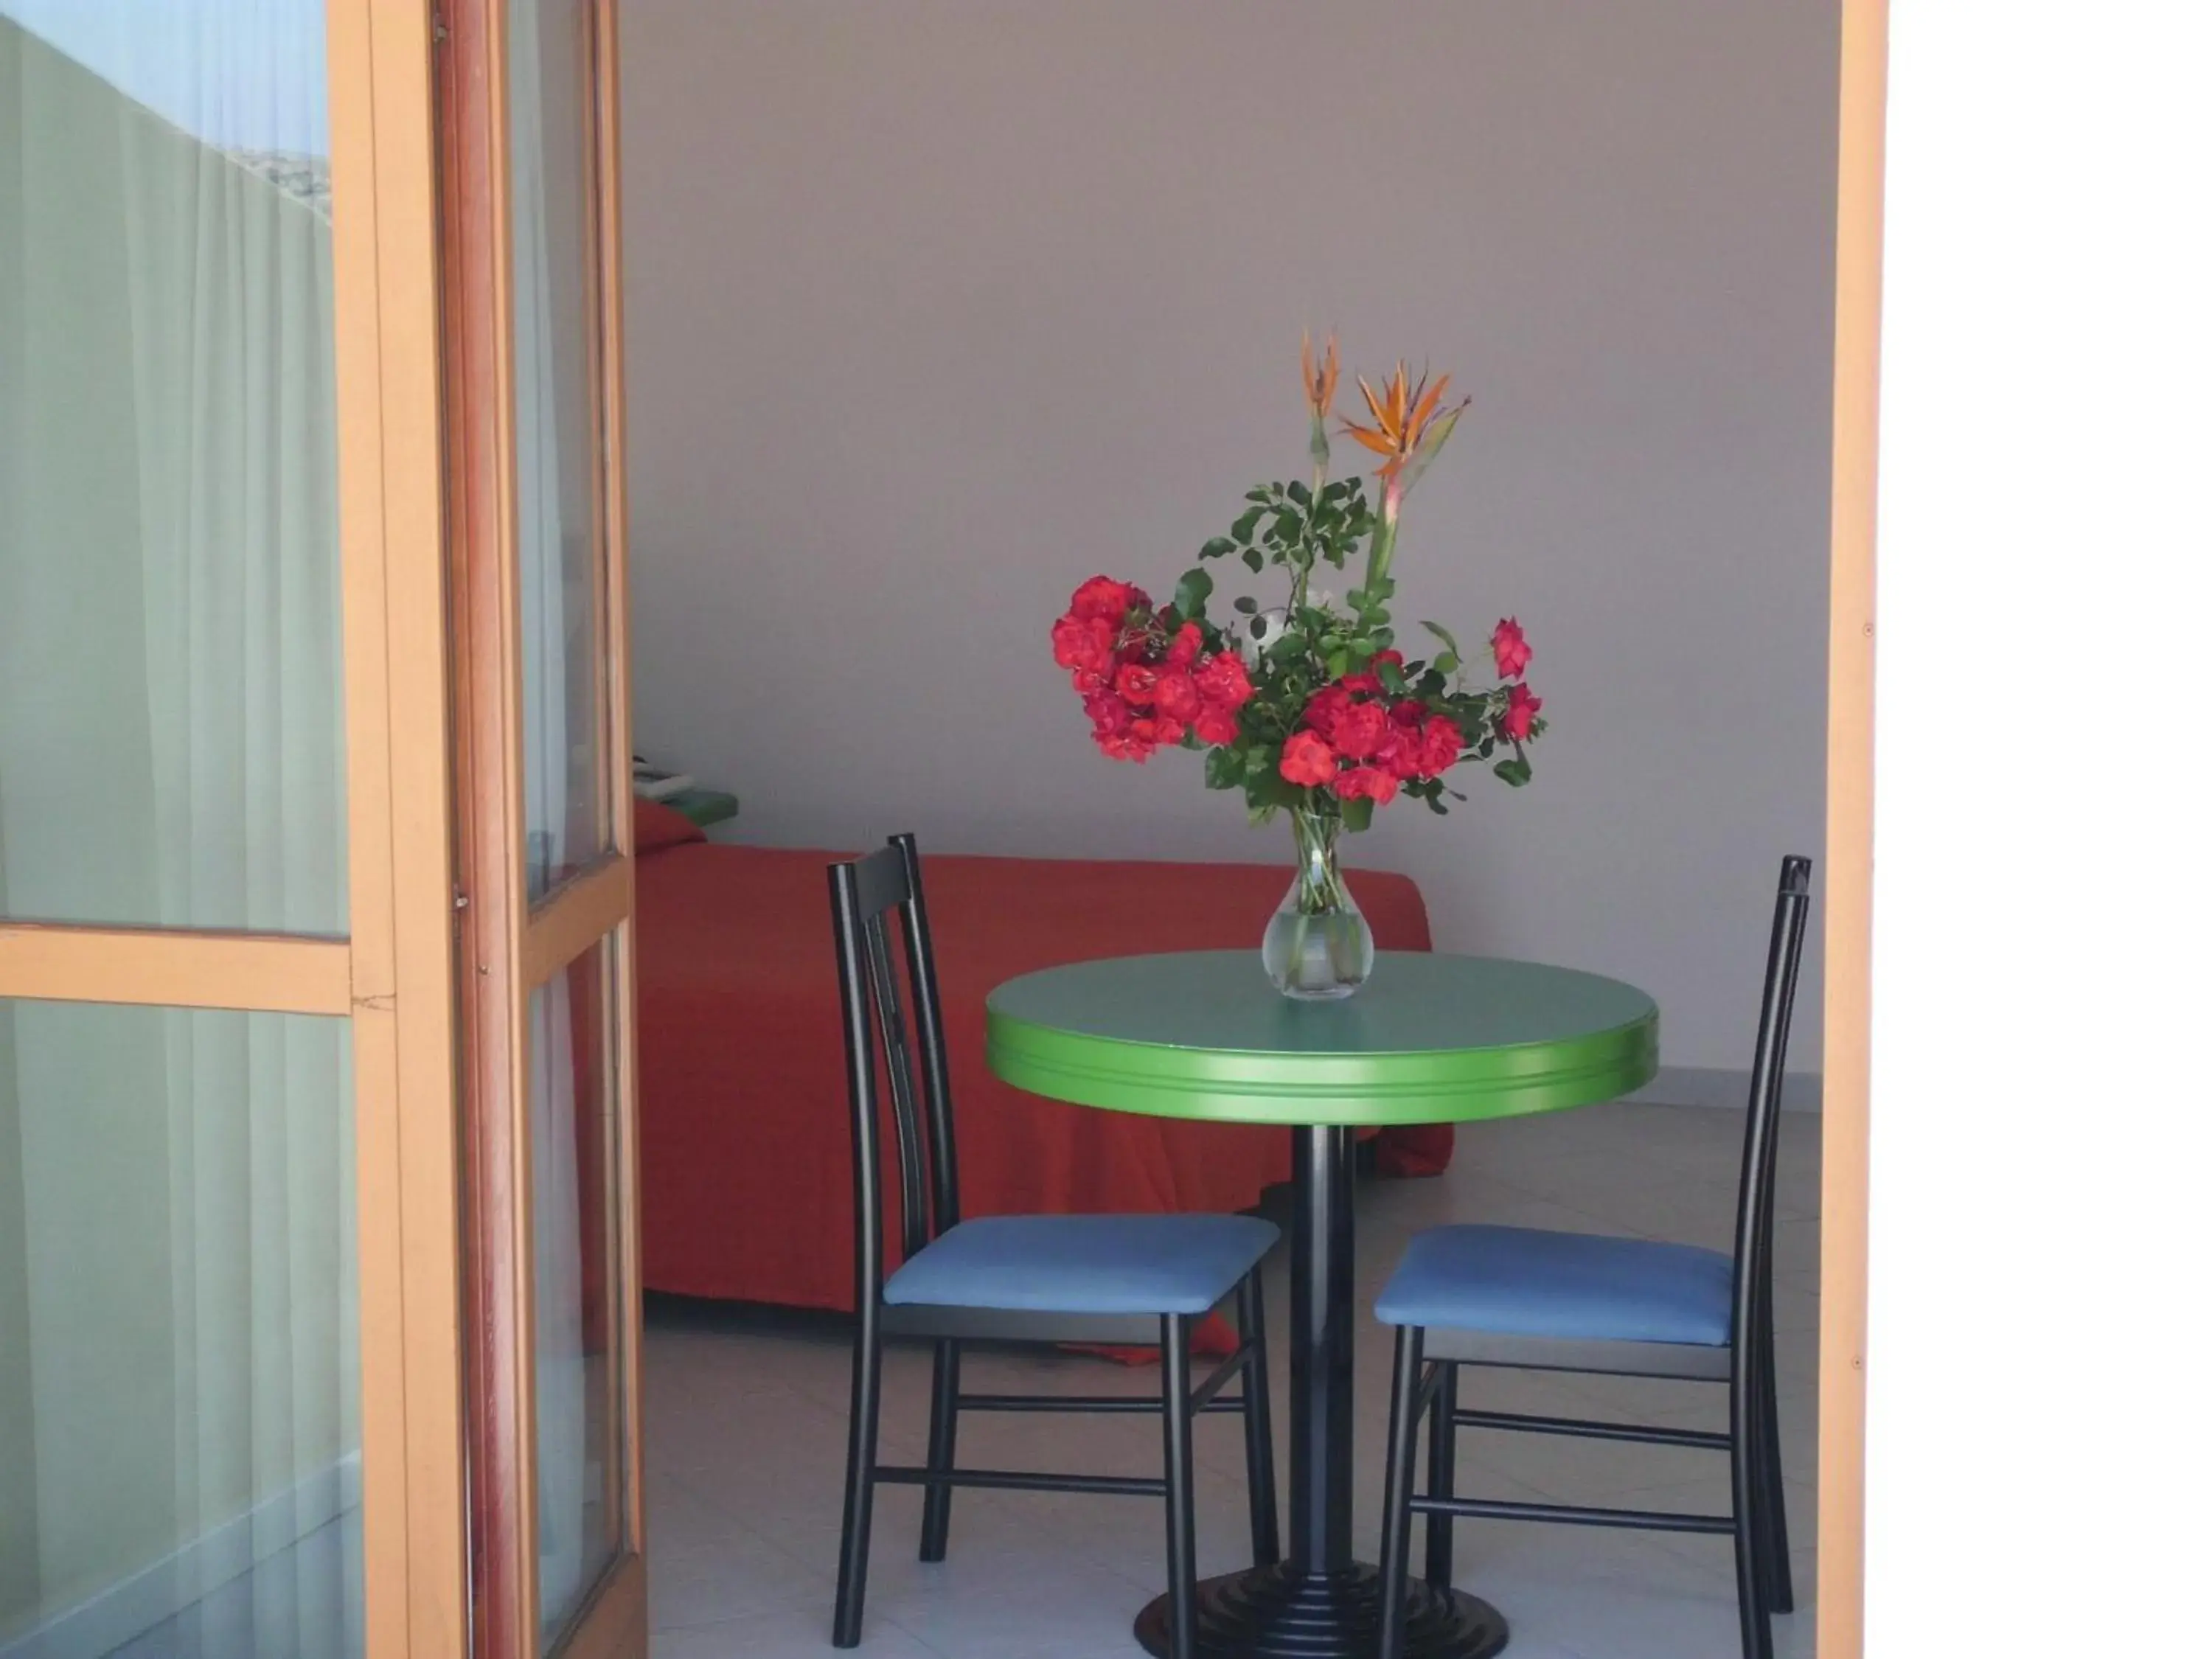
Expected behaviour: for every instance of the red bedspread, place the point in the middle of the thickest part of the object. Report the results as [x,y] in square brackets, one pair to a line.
[745,1148]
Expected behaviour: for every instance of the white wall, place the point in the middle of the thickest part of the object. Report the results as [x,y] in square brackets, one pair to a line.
[2037,1443]
[936,309]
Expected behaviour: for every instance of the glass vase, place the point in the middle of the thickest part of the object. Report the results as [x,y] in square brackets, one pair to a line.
[1319,947]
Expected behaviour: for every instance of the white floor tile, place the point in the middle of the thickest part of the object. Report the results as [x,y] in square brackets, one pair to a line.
[727,1573]
[789,1633]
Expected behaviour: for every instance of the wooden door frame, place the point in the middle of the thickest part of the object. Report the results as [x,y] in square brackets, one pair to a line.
[1861,105]
[399,771]
[1861,111]
[510,947]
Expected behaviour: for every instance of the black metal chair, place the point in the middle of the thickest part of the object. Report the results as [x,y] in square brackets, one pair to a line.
[1573,1302]
[1110,1280]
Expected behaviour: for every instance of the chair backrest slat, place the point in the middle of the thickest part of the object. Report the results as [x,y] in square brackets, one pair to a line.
[864,894]
[898,1067]
[1754,1221]
[929,1028]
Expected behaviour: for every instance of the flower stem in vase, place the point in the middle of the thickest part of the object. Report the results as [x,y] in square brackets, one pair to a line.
[1318,947]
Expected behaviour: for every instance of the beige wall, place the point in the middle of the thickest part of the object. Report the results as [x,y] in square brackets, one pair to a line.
[936,309]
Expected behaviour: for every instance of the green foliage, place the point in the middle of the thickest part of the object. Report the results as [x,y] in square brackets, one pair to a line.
[1296,527]
[1191,594]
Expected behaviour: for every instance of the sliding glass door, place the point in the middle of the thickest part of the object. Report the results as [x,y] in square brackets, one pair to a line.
[529,127]
[318,1297]
[179,1313]
[230,1388]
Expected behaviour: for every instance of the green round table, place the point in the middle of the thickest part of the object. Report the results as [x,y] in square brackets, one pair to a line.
[1429,1039]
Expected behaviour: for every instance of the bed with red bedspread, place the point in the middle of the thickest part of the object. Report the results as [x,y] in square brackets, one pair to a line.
[744,1147]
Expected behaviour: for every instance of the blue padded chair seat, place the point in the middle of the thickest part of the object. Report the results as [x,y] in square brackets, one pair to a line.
[1084,1264]
[1518,1281]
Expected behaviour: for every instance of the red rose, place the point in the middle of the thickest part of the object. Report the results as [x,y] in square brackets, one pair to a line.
[1082,642]
[1307,761]
[1368,682]
[1372,781]
[1215,724]
[1175,696]
[1360,730]
[1159,729]
[1441,742]
[1108,714]
[1325,707]
[1123,746]
[1521,707]
[1222,679]
[1510,646]
[1137,683]
[1183,650]
[1105,599]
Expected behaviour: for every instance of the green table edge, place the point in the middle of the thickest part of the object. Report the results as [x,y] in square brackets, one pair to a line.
[1242,1087]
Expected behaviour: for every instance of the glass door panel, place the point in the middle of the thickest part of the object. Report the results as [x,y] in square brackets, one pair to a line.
[529,108]
[181,1430]
[171,748]
[567,770]
[580,1472]
[552,129]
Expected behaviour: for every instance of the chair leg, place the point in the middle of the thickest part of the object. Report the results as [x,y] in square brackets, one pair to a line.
[1781,1593]
[1398,1491]
[1259,1425]
[1443,1463]
[943,1426]
[1182,1519]
[859,1480]
[1745,1483]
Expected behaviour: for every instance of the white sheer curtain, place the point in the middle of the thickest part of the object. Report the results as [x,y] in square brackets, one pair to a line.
[178,1415]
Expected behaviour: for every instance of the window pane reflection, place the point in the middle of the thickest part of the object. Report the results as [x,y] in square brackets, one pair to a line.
[171,716]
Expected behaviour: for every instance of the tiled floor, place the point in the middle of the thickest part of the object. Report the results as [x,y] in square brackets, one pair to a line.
[744,1424]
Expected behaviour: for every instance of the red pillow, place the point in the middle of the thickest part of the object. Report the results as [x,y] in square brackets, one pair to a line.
[659,825]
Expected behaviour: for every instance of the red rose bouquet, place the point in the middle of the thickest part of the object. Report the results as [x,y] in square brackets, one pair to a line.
[1309,706]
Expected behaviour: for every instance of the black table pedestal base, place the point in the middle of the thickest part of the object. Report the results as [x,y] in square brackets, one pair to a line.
[1282,1612]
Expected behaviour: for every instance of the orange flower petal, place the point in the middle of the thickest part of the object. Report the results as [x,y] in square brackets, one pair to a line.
[1373,405]
[1427,407]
